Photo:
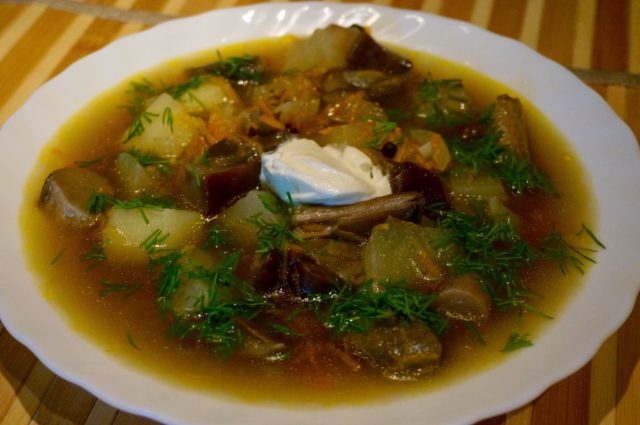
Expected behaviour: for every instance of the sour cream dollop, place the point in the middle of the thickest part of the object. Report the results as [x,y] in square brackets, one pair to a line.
[329,175]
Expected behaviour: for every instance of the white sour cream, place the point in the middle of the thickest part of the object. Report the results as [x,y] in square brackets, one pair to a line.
[329,175]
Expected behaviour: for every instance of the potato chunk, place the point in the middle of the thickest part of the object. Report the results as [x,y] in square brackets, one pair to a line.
[167,128]
[126,230]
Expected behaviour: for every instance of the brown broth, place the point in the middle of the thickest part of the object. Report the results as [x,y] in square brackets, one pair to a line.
[133,331]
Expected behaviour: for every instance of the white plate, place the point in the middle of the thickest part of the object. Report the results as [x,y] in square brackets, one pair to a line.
[604,143]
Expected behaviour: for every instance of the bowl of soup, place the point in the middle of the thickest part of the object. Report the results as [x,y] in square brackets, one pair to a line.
[316,213]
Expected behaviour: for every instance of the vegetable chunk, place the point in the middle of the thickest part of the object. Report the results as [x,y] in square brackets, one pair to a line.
[128,233]
[400,353]
[164,129]
[66,193]
[398,250]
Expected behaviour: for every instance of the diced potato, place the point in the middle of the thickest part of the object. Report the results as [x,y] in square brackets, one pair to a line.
[209,96]
[126,230]
[168,128]
[234,219]
[402,251]
[132,176]
[327,48]
[193,294]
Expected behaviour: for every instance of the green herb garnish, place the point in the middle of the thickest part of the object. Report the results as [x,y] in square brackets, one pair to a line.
[443,103]
[474,332]
[95,254]
[274,234]
[357,309]
[87,163]
[59,255]
[500,161]
[126,289]
[99,202]
[137,126]
[227,303]
[131,341]
[149,159]
[217,237]
[245,69]
[381,132]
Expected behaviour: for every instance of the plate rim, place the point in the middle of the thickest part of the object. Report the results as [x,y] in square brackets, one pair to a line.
[106,393]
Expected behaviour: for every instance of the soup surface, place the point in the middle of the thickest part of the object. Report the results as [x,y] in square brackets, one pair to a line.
[317,221]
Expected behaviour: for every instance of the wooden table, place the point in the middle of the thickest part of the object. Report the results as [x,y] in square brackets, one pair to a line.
[600,39]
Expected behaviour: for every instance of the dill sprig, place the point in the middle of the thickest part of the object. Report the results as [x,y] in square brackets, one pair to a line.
[274,234]
[443,103]
[357,309]
[474,332]
[245,69]
[99,202]
[153,243]
[217,237]
[126,289]
[381,132]
[131,341]
[178,90]
[500,161]
[87,163]
[95,254]
[138,125]
[516,341]
[58,256]
[227,301]
[496,253]
[150,159]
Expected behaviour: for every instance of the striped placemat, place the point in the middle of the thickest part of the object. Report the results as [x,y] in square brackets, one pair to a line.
[598,39]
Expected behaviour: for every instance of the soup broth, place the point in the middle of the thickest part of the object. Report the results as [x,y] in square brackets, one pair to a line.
[117,304]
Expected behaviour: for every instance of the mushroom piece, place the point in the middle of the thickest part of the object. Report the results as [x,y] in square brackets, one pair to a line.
[404,352]
[352,221]
[318,265]
[66,194]
[509,121]
[463,299]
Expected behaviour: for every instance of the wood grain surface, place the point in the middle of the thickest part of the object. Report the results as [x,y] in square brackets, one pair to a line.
[599,39]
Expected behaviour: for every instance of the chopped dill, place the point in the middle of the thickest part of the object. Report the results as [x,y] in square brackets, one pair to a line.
[381,132]
[167,118]
[274,234]
[95,254]
[87,163]
[443,103]
[278,328]
[99,203]
[245,69]
[516,341]
[496,253]
[474,332]
[126,289]
[227,303]
[153,243]
[217,237]
[486,153]
[150,159]
[357,309]
[585,230]
[179,90]
[58,256]
[137,126]
[131,341]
